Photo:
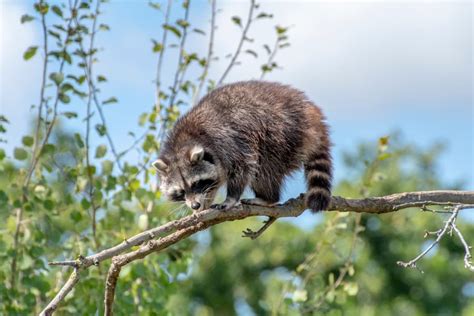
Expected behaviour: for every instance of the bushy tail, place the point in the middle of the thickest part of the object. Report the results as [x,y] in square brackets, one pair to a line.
[318,171]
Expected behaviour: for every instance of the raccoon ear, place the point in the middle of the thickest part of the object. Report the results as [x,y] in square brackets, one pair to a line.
[196,154]
[160,165]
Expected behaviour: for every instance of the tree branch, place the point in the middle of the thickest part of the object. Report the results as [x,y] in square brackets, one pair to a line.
[241,43]
[210,53]
[161,237]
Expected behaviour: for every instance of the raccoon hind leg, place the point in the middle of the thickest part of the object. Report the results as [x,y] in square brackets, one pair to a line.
[267,190]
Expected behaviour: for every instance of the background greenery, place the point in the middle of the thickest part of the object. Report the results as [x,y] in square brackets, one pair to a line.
[66,192]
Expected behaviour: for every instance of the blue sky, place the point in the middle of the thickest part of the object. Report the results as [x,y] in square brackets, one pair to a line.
[373,66]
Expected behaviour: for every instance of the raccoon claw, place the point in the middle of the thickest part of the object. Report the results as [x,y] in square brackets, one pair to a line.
[257,202]
[225,205]
[218,206]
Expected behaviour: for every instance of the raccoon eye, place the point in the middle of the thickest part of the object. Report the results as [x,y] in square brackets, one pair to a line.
[202,185]
[177,196]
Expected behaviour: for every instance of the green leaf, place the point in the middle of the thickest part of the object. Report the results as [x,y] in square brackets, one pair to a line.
[20,153]
[280,29]
[110,100]
[172,29]
[57,10]
[157,46]
[199,31]
[27,141]
[76,216]
[107,166]
[49,149]
[57,77]
[237,20]
[300,296]
[101,129]
[183,23]
[79,140]
[3,197]
[134,185]
[2,154]
[252,52]
[48,204]
[30,52]
[267,48]
[155,5]
[42,8]
[26,18]
[264,15]
[64,98]
[104,27]
[85,204]
[101,78]
[351,288]
[100,151]
[70,115]
[65,87]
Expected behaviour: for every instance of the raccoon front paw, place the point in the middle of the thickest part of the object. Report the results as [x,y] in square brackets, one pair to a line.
[258,202]
[224,206]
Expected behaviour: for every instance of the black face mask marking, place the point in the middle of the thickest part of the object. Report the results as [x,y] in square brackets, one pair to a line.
[202,185]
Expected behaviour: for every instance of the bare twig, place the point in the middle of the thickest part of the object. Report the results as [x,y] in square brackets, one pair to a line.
[255,234]
[151,246]
[440,234]
[43,82]
[210,53]
[162,54]
[159,238]
[271,57]
[90,83]
[449,226]
[178,75]
[467,257]
[243,38]
[67,287]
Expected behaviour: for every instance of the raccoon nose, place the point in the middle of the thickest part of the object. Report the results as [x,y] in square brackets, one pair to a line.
[195,205]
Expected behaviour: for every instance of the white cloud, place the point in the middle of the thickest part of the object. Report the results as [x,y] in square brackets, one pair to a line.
[367,56]
[19,86]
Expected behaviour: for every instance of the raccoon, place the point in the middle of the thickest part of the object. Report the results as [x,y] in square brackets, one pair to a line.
[246,133]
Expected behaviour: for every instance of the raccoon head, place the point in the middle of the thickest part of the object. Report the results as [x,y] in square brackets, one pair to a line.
[191,175]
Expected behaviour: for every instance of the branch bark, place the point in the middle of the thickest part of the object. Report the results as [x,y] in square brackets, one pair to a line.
[161,237]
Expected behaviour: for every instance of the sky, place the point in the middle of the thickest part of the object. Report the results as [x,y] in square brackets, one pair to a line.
[374,67]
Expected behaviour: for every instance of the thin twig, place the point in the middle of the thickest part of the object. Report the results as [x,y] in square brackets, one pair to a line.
[241,43]
[440,233]
[90,82]
[161,56]
[210,53]
[180,68]
[67,287]
[271,57]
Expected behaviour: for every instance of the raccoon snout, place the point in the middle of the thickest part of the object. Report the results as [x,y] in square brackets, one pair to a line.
[195,205]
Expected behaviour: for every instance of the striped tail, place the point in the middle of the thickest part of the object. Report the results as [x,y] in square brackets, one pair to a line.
[318,171]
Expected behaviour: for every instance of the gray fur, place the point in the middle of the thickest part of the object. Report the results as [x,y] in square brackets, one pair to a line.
[252,133]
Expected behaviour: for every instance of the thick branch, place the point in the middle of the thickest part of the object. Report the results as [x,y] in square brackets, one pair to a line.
[172,232]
